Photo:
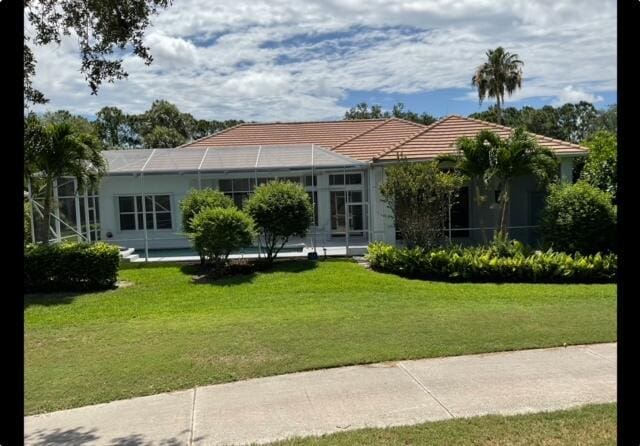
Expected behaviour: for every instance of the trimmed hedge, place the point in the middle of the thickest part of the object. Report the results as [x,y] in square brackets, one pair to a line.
[70,267]
[485,264]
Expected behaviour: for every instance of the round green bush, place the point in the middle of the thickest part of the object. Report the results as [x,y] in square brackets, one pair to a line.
[280,209]
[217,232]
[578,218]
[199,199]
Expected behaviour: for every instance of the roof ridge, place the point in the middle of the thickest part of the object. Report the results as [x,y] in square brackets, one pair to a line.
[186,144]
[315,122]
[351,138]
[493,124]
[409,138]
[410,122]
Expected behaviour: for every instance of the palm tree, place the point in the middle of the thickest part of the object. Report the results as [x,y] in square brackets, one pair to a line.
[472,161]
[519,155]
[55,150]
[502,72]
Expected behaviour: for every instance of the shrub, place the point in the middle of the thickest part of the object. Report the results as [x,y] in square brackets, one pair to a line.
[199,199]
[578,218]
[280,209]
[70,267]
[483,264]
[601,166]
[216,232]
[419,195]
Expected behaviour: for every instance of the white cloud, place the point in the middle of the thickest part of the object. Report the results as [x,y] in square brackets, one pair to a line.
[282,60]
[573,95]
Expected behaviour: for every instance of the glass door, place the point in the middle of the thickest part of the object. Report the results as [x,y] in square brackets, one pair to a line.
[347,211]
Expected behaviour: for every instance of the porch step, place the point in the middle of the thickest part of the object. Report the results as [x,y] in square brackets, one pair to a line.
[126,252]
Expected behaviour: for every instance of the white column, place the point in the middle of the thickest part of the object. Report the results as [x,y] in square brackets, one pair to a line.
[76,201]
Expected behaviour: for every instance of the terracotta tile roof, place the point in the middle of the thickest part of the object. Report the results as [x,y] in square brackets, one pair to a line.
[377,140]
[371,139]
[324,133]
[439,138]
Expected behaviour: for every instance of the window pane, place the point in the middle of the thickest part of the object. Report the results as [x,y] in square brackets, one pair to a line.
[127,222]
[354,178]
[238,199]
[126,204]
[65,187]
[149,220]
[163,220]
[460,213]
[313,197]
[336,179]
[148,203]
[140,221]
[355,196]
[225,185]
[163,203]
[308,182]
[241,185]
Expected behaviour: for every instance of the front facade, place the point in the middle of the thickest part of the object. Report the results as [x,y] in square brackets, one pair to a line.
[340,164]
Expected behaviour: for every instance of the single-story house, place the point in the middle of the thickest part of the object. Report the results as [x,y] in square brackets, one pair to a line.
[339,163]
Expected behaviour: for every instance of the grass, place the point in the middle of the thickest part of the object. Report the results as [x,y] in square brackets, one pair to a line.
[165,332]
[587,426]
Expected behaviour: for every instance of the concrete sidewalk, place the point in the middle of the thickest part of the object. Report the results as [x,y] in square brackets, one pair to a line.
[331,400]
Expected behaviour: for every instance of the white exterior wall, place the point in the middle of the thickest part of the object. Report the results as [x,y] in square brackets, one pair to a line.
[177,186]
[382,224]
[379,220]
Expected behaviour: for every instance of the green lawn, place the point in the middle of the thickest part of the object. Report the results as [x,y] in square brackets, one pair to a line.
[166,332]
[586,426]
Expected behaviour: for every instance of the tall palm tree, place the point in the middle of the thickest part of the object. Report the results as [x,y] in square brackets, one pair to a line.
[55,150]
[501,72]
[472,161]
[519,155]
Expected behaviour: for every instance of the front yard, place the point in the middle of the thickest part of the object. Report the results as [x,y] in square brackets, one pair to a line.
[167,332]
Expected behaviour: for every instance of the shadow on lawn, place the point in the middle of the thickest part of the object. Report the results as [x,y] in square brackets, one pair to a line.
[246,272]
[45,299]
[80,437]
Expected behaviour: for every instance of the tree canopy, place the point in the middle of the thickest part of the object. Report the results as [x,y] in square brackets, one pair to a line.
[362,111]
[102,27]
[500,74]
[569,122]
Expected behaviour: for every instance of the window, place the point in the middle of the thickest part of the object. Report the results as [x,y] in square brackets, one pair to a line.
[156,207]
[313,196]
[460,214]
[238,189]
[345,179]
[202,184]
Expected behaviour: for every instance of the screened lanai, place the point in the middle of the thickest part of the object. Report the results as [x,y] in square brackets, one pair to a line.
[138,198]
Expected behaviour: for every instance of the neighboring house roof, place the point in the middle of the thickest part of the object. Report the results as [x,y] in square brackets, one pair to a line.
[224,159]
[371,139]
[439,138]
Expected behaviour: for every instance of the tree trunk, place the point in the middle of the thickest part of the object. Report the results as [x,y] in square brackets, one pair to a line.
[478,200]
[505,203]
[499,110]
[43,233]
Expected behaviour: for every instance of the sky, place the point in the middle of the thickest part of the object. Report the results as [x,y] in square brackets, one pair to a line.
[284,60]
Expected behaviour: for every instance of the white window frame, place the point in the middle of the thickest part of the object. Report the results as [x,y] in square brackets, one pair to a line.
[136,212]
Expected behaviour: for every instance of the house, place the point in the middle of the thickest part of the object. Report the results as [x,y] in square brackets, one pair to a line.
[339,163]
